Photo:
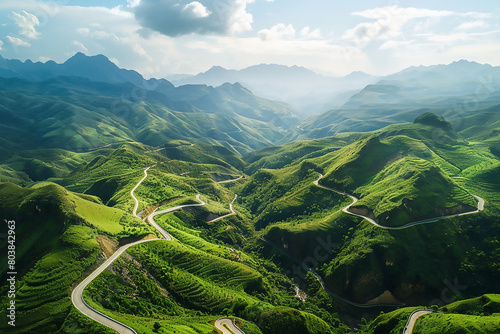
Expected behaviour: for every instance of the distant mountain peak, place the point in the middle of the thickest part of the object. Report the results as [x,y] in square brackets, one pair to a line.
[463,62]
[217,67]
[80,57]
[217,70]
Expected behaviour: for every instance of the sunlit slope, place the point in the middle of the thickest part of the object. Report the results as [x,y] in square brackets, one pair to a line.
[401,174]
[395,172]
[59,235]
[476,315]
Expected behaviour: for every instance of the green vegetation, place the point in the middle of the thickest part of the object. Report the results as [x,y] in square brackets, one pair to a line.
[79,115]
[74,149]
[457,323]
[401,174]
[476,315]
[57,243]
[285,321]
[274,157]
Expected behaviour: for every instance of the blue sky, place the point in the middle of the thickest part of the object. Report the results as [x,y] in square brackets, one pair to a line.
[162,37]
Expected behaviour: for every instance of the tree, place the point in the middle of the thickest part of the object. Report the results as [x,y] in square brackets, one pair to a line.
[156,326]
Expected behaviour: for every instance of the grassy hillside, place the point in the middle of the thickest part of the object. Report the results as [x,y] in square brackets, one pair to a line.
[96,142]
[275,157]
[59,235]
[398,177]
[194,280]
[275,195]
[292,321]
[476,315]
[401,173]
[76,114]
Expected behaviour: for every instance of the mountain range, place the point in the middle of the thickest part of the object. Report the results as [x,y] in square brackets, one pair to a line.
[308,92]
[88,101]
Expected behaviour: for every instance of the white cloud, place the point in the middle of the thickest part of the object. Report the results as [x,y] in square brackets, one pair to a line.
[390,20]
[393,44]
[239,19]
[1,44]
[308,33]
[462,36]
[197,9]
[97,34]
[80,46]
[83,31]
[479,24]
[26,23]
[17,41]
[278,31]
[133,3]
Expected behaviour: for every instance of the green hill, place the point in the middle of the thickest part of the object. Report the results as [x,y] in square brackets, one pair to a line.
[401,174]
[77,114]
[59,235]
[76,138]
[292,321]
[476,315]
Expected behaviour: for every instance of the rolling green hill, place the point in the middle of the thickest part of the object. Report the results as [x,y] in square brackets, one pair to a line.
[58,239]
[401,173]
[476,315]
[77,112]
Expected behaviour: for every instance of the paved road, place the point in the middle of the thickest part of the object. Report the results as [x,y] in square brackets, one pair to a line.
[233,180]
[229,214]
[82,306]
[136,206]
[164,233]
[219,323]
[412,320]
[480,207]
[77,294]
[163,148]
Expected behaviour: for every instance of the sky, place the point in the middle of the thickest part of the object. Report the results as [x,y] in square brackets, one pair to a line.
[163,37]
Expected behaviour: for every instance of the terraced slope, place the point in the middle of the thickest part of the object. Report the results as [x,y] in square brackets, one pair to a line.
[59,234]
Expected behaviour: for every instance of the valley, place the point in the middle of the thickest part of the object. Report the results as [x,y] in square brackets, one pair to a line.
[144,207]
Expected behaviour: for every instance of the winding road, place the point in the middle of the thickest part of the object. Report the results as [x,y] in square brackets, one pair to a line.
[77,293]
[164,233]
[480,207]
[412,319]
[229,214]
[223,322]
[136,206]
[232,180]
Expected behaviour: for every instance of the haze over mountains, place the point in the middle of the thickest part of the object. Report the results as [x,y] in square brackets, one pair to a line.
[307,91]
